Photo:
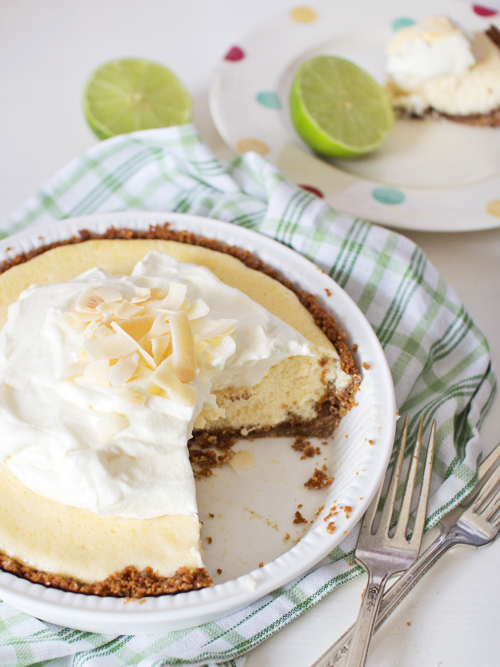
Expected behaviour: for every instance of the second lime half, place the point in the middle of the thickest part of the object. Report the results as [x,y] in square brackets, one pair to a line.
[338,109]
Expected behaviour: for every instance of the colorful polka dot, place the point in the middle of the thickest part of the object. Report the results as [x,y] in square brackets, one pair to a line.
[312,190]
[388,195]
[493,208]
[484,11]
[303,14]
[402,22]
[255,145]
[269,99]
[234,54]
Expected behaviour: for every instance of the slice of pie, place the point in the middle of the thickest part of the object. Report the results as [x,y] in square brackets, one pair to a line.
[117,350]
[437,69]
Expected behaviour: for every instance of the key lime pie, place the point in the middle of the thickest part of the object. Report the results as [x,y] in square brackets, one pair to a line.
[438,69]
[114,351]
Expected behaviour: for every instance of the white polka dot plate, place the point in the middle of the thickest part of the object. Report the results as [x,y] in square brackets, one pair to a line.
[429,176]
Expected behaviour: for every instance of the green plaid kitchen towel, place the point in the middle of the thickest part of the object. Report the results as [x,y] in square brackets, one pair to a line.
[439,359]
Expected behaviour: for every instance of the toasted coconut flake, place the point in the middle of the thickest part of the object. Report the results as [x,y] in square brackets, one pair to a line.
[102,331]
[241,462]
[159,327]
[88,301]
[145,343]
[175,389]
[207,328]
[201,346]
[126,310]
[85,316]
[220,350]
[152,307]
[109,425]
[158,294]
[145,355]
[141,292]
[175,297]
[156,390]
[141,371]
[73,370]
[183,350]
[109,294]
[160,346]
[137,327]
[97,372]
[90,329]
[111,347]
[123,370]
[107,308]
[197,309]
[133,396]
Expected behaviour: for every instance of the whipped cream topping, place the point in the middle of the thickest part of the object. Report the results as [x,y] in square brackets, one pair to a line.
[435,47]
[436,64]
[103,377]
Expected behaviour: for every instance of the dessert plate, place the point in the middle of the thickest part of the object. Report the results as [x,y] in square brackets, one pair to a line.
[251,543]
[430,176]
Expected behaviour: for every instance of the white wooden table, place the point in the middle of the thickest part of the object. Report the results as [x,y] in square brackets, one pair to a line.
[46,52]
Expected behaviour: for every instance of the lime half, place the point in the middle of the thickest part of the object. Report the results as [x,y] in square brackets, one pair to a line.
[130,94]
[338,109]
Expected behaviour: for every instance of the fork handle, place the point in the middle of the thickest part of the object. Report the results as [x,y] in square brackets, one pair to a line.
[366,619]
[336,655]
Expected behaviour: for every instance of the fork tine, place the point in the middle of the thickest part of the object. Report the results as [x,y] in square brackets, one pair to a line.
[404,512]
[489,461]
[484,471]
[372,509]
[493,504]
[421,516]
[486,490]
[385,519]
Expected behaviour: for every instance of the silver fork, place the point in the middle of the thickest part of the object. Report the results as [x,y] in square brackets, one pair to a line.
[383,554]
[468,524]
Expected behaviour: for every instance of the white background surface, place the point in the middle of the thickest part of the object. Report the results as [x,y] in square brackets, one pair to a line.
[47,50]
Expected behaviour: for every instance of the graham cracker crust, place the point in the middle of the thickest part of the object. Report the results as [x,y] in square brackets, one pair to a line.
[491,119]
[130,582]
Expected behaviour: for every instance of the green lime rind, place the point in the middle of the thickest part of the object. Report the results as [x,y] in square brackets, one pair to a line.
[338,109]
[130,94]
